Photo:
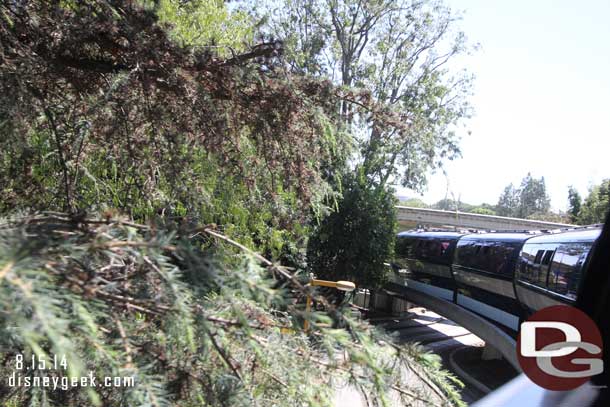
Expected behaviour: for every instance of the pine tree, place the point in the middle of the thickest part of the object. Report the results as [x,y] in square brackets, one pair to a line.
[508,204]
[192,316]
[530,199]
[533,197]
[574,204]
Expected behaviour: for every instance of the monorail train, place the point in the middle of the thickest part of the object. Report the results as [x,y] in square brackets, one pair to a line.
[504,277]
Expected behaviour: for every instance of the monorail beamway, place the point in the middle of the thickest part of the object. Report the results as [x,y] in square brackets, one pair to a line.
[459,348]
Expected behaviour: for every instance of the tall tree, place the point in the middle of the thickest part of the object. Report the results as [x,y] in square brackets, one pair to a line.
[397,51]
[596,205]
[109,108]
[533,197]
[530,199]
[481,210]
[574,204]
[508,203]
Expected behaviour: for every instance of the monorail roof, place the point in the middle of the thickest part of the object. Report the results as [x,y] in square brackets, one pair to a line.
[499,237]
[578,235]
[429,235]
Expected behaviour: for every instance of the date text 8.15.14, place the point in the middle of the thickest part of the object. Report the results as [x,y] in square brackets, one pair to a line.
[40,362]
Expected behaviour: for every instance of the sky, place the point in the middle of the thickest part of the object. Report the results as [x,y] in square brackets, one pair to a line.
[541,100]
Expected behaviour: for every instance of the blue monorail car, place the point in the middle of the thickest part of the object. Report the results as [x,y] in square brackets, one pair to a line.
[483,269]
[549,268]
[428,257]
[501,276]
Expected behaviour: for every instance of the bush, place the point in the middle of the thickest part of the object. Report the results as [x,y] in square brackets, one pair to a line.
[354,242]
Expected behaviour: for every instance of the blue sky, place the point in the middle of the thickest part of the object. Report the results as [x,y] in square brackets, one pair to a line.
[541,99]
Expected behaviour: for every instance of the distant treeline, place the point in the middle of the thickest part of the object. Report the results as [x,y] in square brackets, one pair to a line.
[531,201]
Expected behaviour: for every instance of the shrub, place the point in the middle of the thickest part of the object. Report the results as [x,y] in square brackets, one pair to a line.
[354,242]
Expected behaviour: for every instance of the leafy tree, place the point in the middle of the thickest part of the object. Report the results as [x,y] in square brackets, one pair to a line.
[114,124]
[533,197]
[574,204]
[354,242]
[509,201]
[596,205]
[396,52]
[527,200]
[447,204]
[489,207]
[557,217]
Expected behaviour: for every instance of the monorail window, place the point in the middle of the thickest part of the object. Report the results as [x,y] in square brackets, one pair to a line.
[469,255]
[565,270]
[546,260]
[493,257]
[538,258]
[466,254]
[532,268]
[429,249]
[501,258]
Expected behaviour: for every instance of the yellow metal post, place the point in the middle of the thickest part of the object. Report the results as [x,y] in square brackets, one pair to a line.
[307,309]
[339,285]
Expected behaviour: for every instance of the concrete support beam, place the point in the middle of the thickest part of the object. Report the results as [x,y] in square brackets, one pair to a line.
[472,220]
[479,326]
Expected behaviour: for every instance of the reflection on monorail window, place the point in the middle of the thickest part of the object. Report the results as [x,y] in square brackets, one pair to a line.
[565,270]
[554,267]
[491,257]
[426,249]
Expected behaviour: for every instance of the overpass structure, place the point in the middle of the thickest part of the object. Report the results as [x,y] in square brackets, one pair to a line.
[491,333]
[435,217]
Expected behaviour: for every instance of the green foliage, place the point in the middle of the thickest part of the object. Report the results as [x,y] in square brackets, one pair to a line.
[596,205]
[132,122]
[509,201]
[447,204]
[396,52]
[451,205]
[533,197]
[106,110]
[193,321]
[354,242]
[528,200]
[488,207]
[205,23]
[559,217]
[574,204]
